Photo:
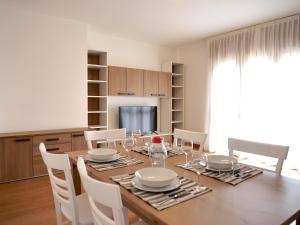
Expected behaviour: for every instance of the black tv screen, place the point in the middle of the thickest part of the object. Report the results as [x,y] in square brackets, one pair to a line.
[134,118]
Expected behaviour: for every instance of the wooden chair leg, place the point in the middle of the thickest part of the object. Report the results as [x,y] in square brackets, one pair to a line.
[132,218]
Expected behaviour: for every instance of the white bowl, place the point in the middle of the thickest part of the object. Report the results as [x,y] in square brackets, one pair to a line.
[102,153]
[222,162]
[155,176]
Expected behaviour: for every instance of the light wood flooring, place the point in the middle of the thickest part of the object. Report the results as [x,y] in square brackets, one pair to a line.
[30,202]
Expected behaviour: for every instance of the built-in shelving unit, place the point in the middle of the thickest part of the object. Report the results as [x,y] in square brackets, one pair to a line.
[177,100]
[97,90]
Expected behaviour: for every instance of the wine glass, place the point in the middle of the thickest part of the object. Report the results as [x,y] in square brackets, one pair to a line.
[111,143]
[128,144]
[187,148]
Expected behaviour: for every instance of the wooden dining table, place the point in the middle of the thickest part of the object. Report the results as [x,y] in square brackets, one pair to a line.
[266,199]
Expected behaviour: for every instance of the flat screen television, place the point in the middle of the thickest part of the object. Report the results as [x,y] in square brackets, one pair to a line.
[134,118]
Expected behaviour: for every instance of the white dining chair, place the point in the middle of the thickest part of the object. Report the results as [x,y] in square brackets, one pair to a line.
[103,135]
[195,137]
[275,151]
[74,208]
[103,194]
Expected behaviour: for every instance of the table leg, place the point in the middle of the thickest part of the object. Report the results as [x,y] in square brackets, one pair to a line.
[76,180]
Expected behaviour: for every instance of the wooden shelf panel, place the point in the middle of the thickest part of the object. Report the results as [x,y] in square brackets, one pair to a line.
[97,111]
[97,81]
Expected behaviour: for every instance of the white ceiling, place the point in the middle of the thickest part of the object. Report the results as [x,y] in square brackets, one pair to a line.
[164,22]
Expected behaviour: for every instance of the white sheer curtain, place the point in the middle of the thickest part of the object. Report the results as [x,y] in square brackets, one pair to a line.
[256,86]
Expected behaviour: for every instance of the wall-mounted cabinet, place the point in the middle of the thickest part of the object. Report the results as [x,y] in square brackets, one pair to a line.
[125,81]
[97,89]
[138,82]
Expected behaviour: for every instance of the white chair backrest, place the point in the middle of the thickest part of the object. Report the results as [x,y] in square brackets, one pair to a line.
[106,194]
[91,136]
[275,151]
[63,189]
[195,137]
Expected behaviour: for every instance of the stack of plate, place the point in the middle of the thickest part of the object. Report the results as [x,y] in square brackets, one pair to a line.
[221,163]
[155,179]
[102,155]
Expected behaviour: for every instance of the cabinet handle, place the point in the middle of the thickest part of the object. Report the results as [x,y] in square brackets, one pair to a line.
[22,139]
[153,94]
[52,149]
[77,135]
[52,139]
[162,94]
[131,93]
[121,93]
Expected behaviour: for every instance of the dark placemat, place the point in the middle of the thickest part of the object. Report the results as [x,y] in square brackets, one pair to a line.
[123,161]
[188,189]
[171,151]
[242,173]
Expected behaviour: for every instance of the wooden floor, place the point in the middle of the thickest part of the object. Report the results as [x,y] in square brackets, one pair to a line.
[27,202]
[30,202]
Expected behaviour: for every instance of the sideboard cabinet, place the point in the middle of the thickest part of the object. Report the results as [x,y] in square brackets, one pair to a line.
[20,157]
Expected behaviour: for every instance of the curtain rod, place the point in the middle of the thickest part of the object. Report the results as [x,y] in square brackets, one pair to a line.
[278,20]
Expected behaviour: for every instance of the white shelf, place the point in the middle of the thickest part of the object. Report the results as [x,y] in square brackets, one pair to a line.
[177,121]
[92,96]
[177,74]
[177,110]
[97,81]
[177,98]
[95,66]
[97,111]
[97,126]
[177,86]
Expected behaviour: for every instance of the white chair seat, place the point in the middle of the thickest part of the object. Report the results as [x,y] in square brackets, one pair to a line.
[83,207]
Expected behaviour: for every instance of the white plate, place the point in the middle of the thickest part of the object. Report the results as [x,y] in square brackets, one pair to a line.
[155,176]
[113,158]
[137,184]
[102,153]
[222,162]
[235,167]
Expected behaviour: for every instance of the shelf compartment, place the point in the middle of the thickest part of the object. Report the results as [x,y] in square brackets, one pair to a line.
[177,121]
[97,89]
[96,74]
[177,92]
[177,116]
[97,58]
[177,80]
[177,110]
[97,104]
[97,112]
[177,68]
[96,119]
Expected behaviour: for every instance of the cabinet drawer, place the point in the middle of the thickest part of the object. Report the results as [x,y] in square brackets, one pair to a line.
[57,149]
[52,139]
[39,167]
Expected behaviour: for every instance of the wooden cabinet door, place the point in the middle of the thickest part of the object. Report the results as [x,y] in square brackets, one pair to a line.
[135,82]
[17,158]
[164,84]
[2,161]
[78,142]
[116,80]
[150,83]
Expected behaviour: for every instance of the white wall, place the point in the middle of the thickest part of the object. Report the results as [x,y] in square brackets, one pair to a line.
[195,59]
[42,72]
[130,53]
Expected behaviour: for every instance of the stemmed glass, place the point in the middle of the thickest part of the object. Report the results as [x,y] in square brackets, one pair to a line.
[198,162]
[187,148]
[111,143]
[128,144]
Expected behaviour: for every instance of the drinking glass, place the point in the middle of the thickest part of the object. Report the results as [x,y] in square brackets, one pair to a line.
[111,143]
[187,148]
[136,134]
[128,144]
